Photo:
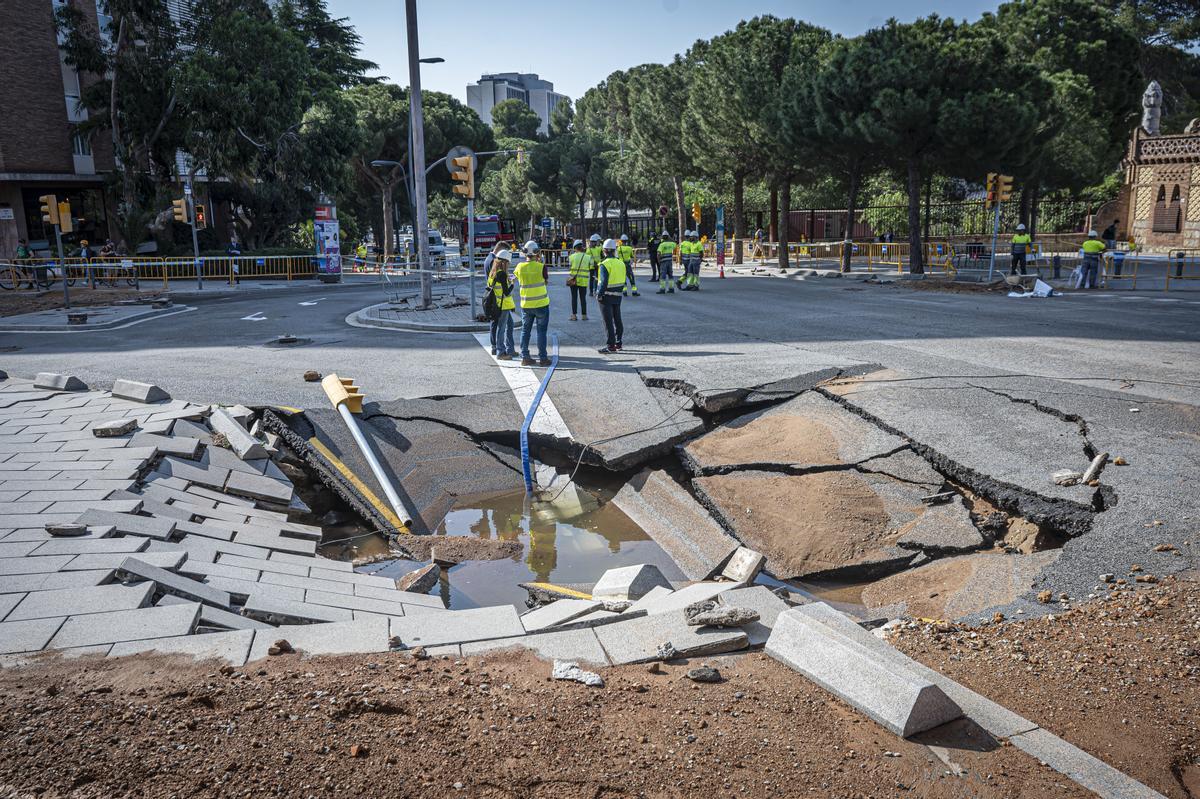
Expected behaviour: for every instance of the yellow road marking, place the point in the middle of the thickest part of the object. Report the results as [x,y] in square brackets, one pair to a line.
[288,408]
[558,589]
[362,488]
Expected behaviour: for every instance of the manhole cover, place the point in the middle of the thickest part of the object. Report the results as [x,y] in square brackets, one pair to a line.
[287,341]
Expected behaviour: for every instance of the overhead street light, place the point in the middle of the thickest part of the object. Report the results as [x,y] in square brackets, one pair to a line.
[432,60]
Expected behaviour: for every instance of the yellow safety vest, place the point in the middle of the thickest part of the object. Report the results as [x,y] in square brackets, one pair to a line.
[505,303]
[596,254]
[1020,243]
[533,284]
[581,266]
[616,275]
[667,247]
[1093,247]
[625,253]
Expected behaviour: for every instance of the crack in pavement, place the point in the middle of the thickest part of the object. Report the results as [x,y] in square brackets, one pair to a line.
[1074,418]
[478,440]
[799,469]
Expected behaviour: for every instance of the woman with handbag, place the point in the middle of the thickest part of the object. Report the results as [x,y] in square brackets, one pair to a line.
[501,286]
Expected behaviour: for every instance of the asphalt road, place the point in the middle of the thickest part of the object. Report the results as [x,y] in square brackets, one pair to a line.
[741,331]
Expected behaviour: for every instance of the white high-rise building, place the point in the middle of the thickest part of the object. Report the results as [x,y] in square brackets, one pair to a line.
[497,87]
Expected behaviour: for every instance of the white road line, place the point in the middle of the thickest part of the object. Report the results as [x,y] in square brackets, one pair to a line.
[313,302]
[524,382]
[255,317]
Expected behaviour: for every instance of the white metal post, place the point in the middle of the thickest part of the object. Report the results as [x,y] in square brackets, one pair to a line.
[191,209]
[995,236]
[62,264]
[471,247]
[417,127]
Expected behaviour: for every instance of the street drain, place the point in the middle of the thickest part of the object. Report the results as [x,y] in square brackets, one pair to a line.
[288,340]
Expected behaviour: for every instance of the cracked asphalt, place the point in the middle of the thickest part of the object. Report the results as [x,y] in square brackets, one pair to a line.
[1005,391]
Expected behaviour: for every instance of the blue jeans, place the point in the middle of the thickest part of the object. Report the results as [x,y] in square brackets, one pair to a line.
[541,317]
[502,334]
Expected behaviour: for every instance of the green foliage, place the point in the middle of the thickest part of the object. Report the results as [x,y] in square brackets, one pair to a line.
[513,118]
[332,44]
[562,120]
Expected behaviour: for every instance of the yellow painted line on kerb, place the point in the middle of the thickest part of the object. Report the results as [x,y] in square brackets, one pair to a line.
[288,408]
[558,589]
[383,510]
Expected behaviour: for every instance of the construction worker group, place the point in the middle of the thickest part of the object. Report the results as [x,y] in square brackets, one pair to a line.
[601,269]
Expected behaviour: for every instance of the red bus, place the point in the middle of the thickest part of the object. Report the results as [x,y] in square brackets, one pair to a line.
[489,229]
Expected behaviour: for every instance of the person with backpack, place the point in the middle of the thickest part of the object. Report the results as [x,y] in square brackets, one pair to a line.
[498,306]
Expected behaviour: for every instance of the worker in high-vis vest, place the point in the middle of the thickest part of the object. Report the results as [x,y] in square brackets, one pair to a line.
[531,275]
[594,251]
[695,251]
[666,258]
[579,272]
[1020,249]
[501,286]
[625,253]
[610,286]
[1093,248]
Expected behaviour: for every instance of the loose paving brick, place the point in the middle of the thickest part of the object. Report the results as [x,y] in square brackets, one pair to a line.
[201,569]
[309,583]
[242,589]
[166,582]
[351,602]
[218,496]
[407,597]
[246,446]
[119,506]
[216,617]
[127,625]
[168,445]
[275,542]
[232,647]
[370,580]
[88,546]
[53,581]
[52,381]
[318,561]
[273,609]
[114,427]
[33,565]
[360,636]
[259,487]
[139,392]
[211,476]
[577,645]
[643,639]
[558,612]
[127,524]
[27,636]
[81,601]
[457,626]
[263,564]
[111,560]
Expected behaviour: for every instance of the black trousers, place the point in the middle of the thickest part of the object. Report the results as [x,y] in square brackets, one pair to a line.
[578,299]
[1018,262]
[653,270]
[610,309]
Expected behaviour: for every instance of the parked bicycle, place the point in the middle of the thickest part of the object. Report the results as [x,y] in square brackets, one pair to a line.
[19,276]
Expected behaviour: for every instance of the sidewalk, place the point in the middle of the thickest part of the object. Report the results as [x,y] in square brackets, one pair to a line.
[448,315]
[98,317]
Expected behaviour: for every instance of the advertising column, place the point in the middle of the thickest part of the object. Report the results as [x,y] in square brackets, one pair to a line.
[328,241]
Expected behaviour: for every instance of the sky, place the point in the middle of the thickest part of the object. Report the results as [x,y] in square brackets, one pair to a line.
[560,39]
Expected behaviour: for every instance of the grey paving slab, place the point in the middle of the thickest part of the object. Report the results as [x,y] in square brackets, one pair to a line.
[89,546]
[34,448]
[93,444]
[128,524]
[640,640]
[81,601]
[653,596]
[186,528]
[885,690]
[17,550]
[196,429]
[53,581]
[211,510]
[407,597]
[195,543]
[33,565]
[558,612]
[369,580]
[166,582]
[27,636]
[159,478]
[213,477]
[8,602]
[457,626]
[689,594]
[127,625]
[1088,771]
[164,493]
[217,617]
[201,569]
[259,487]
[60,495]
[225,459]
[579,645]
[31,520]
[242,589]
[100,484]
[108,470]
[244,445]
[628,582]
[676,522]
[263,564]
[761,599]
[13,496]
[218,496]
[351,602]
[273,609]
[275,542]
[309,583]
[111,560]
[597,617]
[319,562]
[182,446]
[139,392]
[123,506]
[232,647]
[8,509]
[360,636]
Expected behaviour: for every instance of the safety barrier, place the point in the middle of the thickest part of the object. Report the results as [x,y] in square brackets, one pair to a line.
[1118,267]
[1182,265]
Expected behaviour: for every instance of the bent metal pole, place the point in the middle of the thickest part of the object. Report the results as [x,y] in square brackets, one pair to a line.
[346,397]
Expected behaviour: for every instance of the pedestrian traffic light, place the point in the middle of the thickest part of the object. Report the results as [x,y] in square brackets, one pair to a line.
[696,211]
[1004,184]
[991,190]
[49,209]
[463,175]
[179,208]
[66,223]
[201,218]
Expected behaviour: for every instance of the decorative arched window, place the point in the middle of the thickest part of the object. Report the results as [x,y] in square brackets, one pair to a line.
[1167,213]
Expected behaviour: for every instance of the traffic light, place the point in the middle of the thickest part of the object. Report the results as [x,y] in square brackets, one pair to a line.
[991,190]
[66,222]
[179,207]
[463,175]
[1004,184]
[696,212]
[49,209]
[201,218]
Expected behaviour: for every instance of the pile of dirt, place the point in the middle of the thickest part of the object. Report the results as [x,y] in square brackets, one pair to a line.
[955,286]
[21,302]
[1118,677]
[494,727]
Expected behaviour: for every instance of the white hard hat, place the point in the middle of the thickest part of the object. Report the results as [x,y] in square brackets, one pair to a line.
[1021,226]
[531,246]
[594,237]
[624,237]
[577,243]
[504,255]
[1092,234]
[666,234]
[609,244]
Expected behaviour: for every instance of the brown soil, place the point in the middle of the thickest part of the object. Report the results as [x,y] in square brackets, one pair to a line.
[498,728]
[1118,678]
[455,549]
[19,302]
[952,287]
[803,524]
[772,439]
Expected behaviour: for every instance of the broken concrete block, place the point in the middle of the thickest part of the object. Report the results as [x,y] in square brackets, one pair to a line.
[457,626]
[420,580]
[577,645]
[763,601]
[744,565]
[566,670]
[114,427]
[244,445]
[126,625]
[128,524]
[133,568]
[360,636]
[716,615]
[556,613]
[943,529]
[681,598]
[1094,468]
[56,382]
[66,529]
[269,607]
[884,690]
[231,647]
[676,522]
[640,640]
[628,582]
[139,392]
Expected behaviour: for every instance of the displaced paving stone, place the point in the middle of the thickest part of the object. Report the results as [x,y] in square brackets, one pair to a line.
[704,674]
[89,546]
[259,487]
[139,392]
[166,582]
[244,445]
[943,529]
[231,647]
[457,626]
[628,582]
[115,427]
[360,636]
[556,613]
[682,598]
[52,581]
[242,589]
[566,670]
[212,476]
[420,580]
[711,613]
[392,595]
[80,600]
[763,601]
[639,640]
[27,636]
[167,445]
[129,524]
[56,382]
[126,625]
[744,565]
[216,617]
[886,691]
[676,522]
[274,541]
[269,607]
[579,645]
[651,598]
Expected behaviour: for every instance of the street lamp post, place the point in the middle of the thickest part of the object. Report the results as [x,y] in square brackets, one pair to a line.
[421,223]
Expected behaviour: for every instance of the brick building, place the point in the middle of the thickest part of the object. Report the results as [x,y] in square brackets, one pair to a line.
[41,151]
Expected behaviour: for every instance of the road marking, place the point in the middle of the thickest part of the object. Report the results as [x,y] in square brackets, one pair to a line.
[524,382]
[185,309]
[313,302]
[255,317]
[358,484]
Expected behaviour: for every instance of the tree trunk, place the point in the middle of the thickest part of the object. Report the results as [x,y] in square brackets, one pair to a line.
[739,215]
[681,212]
[625,215]
[771,229]
[928,201]
[916,263]
[851,210]
[1034,192]
[1023,208]
[582,229]
[388,238]
[604,218]
[785,196]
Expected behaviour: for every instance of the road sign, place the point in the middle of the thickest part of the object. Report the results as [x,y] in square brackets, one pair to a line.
[547,222]
[662,211]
